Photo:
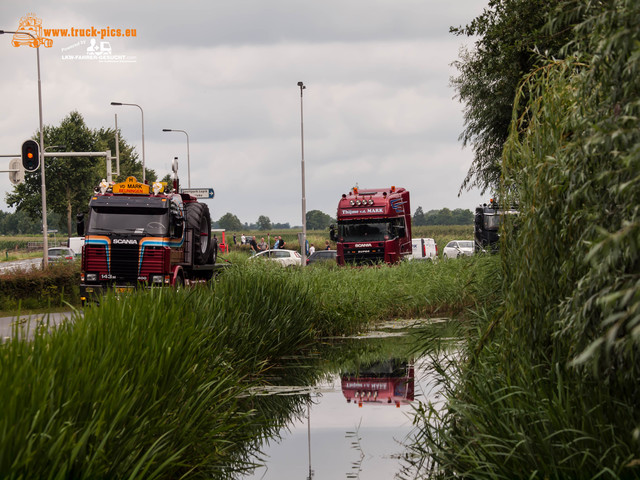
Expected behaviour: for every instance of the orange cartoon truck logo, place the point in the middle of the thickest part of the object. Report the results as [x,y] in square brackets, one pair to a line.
[31,23]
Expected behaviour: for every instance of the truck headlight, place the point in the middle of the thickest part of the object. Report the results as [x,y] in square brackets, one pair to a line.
[156,279]
[92,277]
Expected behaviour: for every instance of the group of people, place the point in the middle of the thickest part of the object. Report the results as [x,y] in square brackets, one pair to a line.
[279,243]
[259,247]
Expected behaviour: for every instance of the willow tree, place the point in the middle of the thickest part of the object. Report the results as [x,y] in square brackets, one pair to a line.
[549,388]
[509,39]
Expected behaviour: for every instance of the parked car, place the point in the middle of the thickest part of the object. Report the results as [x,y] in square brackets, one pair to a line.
[322,256]
[457,248]
[423,249]
[60,254]
[287,258]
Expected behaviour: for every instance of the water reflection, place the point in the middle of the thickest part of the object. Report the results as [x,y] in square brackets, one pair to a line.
[387,382]
[325,433]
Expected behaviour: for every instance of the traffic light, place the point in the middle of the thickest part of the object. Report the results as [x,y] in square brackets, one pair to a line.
[30,155]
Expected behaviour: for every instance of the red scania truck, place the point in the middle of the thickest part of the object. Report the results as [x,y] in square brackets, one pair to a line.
[374,226]
[137,235]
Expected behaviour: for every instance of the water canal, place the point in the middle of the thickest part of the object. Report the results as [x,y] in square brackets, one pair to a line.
[354,418]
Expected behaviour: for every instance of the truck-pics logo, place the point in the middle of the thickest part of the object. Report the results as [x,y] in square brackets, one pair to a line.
[94,42]
[31,23]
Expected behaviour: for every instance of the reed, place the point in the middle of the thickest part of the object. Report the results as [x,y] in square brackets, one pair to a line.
[546,386]
[158,384]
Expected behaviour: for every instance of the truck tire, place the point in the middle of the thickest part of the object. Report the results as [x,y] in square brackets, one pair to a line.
[199,221]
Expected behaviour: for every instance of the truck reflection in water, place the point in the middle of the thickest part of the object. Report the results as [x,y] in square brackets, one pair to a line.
[389,382]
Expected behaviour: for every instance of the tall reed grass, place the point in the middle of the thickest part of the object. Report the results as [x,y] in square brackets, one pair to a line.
[547,387]
[157,384]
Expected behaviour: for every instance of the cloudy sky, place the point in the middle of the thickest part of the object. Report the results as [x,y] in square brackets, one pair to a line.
[378,108]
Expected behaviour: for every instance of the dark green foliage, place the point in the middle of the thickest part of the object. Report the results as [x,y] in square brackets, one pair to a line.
[549,384]
[264,223]
[459,216]
[510,36]
[70,180]
[230,222]
[317,220]
[18,223]
[35,288]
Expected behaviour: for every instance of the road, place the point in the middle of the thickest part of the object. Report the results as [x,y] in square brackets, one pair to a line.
[28,323]
[6,267]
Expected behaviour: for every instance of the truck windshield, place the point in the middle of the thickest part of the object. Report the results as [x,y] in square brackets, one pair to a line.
[151,221]
[492,222]
[364,231]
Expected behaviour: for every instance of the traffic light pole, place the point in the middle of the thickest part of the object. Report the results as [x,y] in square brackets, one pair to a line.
[45,242]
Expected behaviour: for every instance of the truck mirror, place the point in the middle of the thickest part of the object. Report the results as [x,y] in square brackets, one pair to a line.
[80,224]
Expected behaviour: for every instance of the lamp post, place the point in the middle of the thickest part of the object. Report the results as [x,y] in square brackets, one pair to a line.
[304,199]
[188,160]
[117,104]
[45,241]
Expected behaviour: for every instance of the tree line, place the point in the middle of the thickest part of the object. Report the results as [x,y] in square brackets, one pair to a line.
[21,223]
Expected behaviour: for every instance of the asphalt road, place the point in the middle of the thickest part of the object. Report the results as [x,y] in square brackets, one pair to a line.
[6,267]
[28,323]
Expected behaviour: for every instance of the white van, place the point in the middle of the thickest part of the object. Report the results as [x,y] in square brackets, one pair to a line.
[423,249]
[75,244]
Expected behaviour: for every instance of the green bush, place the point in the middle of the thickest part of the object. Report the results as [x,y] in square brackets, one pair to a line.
[35,288]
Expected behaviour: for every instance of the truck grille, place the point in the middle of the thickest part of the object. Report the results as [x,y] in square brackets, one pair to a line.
[359,258]
[96,258]
[153,260]
[124,262]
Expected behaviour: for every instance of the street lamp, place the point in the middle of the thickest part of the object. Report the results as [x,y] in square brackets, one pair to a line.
[304,199]
[45,241]
[188,160]
[117,104]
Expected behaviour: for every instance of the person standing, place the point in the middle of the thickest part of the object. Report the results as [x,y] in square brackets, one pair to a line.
[328,246]
[253,244]
[312,250]
[281,242]
[262,246]
[277,242]
[243,239]
[235,242]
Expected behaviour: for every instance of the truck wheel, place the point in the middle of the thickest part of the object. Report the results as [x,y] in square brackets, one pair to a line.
[199,220]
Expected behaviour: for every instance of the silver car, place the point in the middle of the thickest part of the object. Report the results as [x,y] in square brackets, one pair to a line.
[60,254]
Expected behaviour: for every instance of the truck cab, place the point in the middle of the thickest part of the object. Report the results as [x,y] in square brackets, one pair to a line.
[374,226]
[488,221]
[135,237]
